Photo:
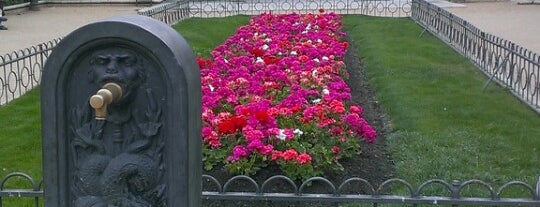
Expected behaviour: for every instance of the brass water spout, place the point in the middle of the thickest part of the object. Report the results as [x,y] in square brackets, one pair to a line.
[109,93]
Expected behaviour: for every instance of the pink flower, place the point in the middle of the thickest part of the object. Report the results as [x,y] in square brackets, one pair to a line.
[255,145]
[252,135]
[240,151]
[335,149]
[267,150]
[356,109]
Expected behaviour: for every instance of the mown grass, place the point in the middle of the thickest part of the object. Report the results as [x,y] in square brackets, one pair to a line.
[444,125]
[204,35]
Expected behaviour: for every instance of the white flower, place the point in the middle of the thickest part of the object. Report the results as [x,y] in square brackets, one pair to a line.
[225,60]
[309,41]
[281,135]
[256,34]
[265,47]
[314,73]
[267,40]
[279,53]
[325,58]
[316,60]
[294,53]
[316,101]
[319,40]
[298,131]
[325,91]
[259,60]
[304,32]
[308,27]
[211,88]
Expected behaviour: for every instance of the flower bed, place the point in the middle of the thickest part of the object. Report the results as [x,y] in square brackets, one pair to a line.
[273,93]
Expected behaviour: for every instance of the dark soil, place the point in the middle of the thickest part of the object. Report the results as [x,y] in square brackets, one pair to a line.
[373,164]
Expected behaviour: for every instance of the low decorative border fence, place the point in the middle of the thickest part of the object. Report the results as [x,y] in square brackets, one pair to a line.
[21,70]
[349,191]
[508,64]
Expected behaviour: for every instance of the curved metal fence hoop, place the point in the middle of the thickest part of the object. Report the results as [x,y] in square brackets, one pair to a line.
[17,175]
[360,180]
[279,177]
[445,184]
[516,183]
[240,177]
[214,181]
[324,180]
[479,182]
[399,181]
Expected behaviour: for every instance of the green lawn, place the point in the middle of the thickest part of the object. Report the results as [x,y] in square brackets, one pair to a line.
[444,125]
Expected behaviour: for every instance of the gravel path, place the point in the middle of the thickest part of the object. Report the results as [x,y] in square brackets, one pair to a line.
[29,28]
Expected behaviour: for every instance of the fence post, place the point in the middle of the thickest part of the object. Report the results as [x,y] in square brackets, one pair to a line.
[538,189]
[512,62]
[456,188]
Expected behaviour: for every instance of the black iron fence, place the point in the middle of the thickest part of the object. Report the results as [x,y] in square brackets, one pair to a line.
[352,190]
[21,70]
[168,12]
[209,8]
[503,61]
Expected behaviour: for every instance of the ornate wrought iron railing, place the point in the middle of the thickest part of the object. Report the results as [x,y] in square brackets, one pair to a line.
[220,8]
[510,65]
[352,190]
[168,12]
[21,70]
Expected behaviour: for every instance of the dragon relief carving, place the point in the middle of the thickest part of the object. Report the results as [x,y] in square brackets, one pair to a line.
[118,162]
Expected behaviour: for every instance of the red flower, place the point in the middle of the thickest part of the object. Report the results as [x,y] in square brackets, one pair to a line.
[276,155]
[290,154]
[239,122]
[226,127]
[203,63]
[303,58]
[230,126]
[257,52]
[271,60]
[303,158]
[262,116]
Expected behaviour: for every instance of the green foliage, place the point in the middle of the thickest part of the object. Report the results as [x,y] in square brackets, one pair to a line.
[14,2]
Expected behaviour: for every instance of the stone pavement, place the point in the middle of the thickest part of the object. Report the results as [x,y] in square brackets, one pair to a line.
[29,28]
[519,23]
